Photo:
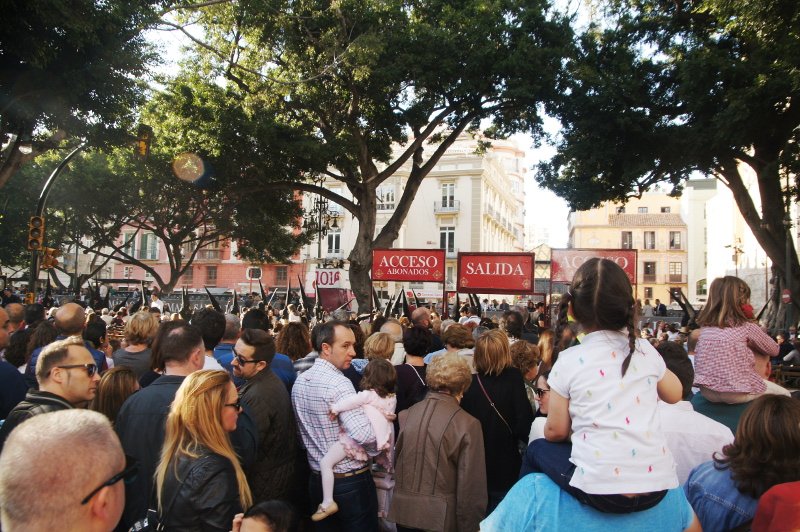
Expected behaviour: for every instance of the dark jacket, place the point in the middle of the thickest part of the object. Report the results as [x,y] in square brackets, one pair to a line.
[36,402]
[141,424]
[507,391]
[12,388]
[30,370]
[272,476]
[440,476]
[205,499]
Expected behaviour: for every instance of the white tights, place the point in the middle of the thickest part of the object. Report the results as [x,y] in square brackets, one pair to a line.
[335,454]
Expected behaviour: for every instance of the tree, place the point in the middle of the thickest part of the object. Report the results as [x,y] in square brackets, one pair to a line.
[668,89]
[68,70]
[182,193]
[355,79]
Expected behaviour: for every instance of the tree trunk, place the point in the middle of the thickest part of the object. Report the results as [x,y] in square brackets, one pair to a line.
[361,255]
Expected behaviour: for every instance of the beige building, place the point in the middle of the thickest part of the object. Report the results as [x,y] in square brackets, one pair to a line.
[652,225]
[468,202]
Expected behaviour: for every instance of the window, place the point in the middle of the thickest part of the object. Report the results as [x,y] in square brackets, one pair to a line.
[211,251]
[448,194]
[450,276]
[665,210]
[211,276]
[253,273]
[281,274]
[447,238]
[627,240]
[674,240]
[649,272]
[701,288]
[187,279]
[129,243]
[642,210]
[385,198]
[648,292]
[675,272]
[148,247]
[649,240]
[334,242]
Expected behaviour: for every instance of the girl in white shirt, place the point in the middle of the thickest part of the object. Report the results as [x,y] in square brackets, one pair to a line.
[603,394]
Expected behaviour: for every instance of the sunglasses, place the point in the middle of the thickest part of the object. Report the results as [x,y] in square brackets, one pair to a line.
[540,392]
[128,475]
[91,369]
[241,360]
[237,405]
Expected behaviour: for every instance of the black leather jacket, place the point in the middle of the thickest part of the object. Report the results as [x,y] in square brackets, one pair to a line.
[36,402]
[206,500]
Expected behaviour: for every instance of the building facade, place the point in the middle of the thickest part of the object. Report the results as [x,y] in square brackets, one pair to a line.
[469,202]
[652,225]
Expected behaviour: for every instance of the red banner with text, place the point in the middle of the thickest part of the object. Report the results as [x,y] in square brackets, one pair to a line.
[495,273]
[565,262]
[408,265]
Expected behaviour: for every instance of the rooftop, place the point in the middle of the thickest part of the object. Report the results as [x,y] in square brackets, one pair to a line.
[646,220]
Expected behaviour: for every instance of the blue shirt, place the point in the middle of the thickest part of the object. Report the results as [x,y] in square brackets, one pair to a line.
[30,371]
[715,499]
[535,503]
[282,367]
[223,354]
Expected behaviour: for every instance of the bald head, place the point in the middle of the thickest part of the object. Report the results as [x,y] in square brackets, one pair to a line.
[421,317]
[67,454]
[70,319]
[393,328]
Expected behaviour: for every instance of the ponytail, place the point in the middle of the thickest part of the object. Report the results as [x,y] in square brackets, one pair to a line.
[561,326]
[631,342]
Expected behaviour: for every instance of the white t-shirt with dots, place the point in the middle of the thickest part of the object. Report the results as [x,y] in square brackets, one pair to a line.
[617,443]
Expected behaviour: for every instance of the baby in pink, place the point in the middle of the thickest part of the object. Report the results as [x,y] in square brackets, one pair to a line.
[379,403]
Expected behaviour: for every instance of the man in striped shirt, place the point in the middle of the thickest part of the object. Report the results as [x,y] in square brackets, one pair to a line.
[314,391]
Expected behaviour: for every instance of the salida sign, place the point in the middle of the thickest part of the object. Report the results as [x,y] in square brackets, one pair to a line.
[565,262]
[408,265]
[496,273]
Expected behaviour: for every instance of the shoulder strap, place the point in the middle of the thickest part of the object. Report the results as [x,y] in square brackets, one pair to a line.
[162,518]
[491,403]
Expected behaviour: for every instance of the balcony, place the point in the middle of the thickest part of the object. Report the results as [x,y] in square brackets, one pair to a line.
[209,254]
[334,253]
[649,278]
[676,278]
[446,207]
[451,253]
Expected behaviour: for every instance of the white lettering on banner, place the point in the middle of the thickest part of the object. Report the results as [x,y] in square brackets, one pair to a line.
[494,268]
[409,261]
[327,278]
[408,271]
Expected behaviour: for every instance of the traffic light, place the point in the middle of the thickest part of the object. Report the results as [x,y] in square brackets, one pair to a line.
[144,136]
[50,258]
[35,233]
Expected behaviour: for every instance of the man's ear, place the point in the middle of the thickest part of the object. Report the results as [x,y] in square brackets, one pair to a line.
[104,507]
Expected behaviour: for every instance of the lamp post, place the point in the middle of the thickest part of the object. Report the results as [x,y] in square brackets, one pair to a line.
[737,250]
[323,219]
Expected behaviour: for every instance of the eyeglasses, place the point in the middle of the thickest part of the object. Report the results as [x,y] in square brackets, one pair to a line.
[91,369]
[128,475]
[241,360]
[540,392]
[237,405]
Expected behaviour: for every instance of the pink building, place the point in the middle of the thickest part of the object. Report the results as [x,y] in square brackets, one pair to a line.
[214,266]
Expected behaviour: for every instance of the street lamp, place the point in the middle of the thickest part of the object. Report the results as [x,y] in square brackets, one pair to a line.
[737,250]
[321,220]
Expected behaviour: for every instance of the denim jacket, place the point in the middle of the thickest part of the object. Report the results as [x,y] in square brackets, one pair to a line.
[716,501]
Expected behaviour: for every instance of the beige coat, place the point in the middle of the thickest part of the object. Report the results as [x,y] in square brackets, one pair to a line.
[440,475]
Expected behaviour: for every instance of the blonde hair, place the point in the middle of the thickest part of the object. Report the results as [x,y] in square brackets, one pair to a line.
[546,345]
[379,345]
[448,373]
[141,327]
[492,353]
[195,419]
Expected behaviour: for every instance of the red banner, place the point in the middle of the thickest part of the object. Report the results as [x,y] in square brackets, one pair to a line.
[408,265]
[495,273]
[565,262]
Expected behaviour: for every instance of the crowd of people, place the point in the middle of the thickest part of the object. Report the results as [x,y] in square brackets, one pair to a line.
[262,421]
